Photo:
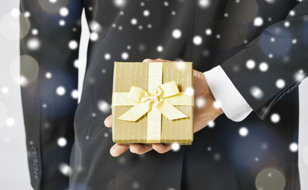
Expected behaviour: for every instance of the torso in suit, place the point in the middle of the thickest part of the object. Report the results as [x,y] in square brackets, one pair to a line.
[222,156]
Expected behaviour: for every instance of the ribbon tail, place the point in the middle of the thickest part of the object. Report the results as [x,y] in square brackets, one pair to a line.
[135,113]
[170,111]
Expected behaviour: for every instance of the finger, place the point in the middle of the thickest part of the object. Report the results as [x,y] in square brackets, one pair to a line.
[108,121]
[139,148]
[161,60]
[160,148]
[118,149]
[147,60]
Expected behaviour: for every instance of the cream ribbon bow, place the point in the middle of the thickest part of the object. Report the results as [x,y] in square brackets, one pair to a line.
[146,101]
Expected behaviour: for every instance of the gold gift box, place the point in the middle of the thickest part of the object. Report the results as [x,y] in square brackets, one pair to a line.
[153,126]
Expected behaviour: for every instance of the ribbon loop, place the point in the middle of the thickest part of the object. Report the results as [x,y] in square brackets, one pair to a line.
[145,101]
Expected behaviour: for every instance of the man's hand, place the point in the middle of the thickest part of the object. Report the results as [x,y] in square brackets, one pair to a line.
[205,111]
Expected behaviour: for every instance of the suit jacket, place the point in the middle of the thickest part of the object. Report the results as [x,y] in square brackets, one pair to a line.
[256,42]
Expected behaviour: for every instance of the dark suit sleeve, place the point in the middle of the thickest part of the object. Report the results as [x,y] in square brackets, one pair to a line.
[50,32]
[274,63]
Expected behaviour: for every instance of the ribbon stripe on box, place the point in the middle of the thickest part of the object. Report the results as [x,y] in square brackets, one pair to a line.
[159,99]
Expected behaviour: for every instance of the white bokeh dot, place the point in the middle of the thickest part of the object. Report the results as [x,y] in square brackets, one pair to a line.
[48,75]
[176,33]
[293,147]
[208,32]
[280,83]
[65,169]
[270,1]
[275,117]
[197,40]
[60,90]
[35,31]
[107,56]
[103,106]
[62,142]
[73,44]
[119,3]
[217,104]
[256,92]
[159,48]
[62,22]
[258,21]
[134,21]
[204,3]
[250,64]
[300,75]
[189,91]
[74,94]
[64,11]
[243,131]
[200,102]
[33,44]
[175,146]
[146,13]
[94,36]
[124,55]
[211,124]
[263,67]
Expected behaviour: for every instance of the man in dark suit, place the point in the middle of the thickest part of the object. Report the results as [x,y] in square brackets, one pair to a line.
[254,53]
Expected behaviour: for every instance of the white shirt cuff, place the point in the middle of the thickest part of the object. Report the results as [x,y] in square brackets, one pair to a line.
[232,102]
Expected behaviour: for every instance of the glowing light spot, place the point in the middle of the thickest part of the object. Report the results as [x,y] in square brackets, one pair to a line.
[211,124]
[300,75]
[275,117]
[175,146]
[263,67]
[208,32]
[146,13]
[119,3]
[176,33]
[217,104]
[107,56]
[60,90]
[200,102]
[48,75]
[62,142]
[125,55]
[74,94]
[256,92]
[33,44]
[189,91]
[94,36]
[258,21]
[103,106]
[73,44]
[280,83]
[197,40]
[64,11]
[293,147]
[250,64]
[62,22]
[243,131]
[134,21]
[160,48]
[65,169]
[204,3]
